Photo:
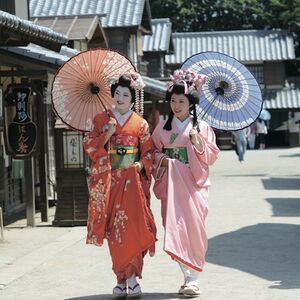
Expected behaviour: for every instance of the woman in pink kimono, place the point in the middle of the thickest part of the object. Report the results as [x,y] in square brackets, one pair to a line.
[184,150]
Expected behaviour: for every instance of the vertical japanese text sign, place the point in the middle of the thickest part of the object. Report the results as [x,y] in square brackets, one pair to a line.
[72,149]
[21,131]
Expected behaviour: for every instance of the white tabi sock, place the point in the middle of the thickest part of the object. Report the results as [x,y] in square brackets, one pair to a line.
[191,276]
[122,285]
[132,281]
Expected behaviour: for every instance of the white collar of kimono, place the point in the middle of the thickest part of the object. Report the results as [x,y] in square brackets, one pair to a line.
[122,118]
[182,125]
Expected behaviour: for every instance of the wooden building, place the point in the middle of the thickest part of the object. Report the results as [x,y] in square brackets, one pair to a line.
[155,49]
[265,53]
[22,181]
[123,22]
[123,30]
[157,46]
[83,31]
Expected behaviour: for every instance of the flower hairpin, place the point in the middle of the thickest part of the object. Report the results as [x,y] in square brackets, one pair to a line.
[136,81]
[138,84]
[191,80]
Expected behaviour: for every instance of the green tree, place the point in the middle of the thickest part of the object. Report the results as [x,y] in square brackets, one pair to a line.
[199,15]
[209,15]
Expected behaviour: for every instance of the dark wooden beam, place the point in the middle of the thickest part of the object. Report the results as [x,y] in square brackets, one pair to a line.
[21,73]
[42,156]
[12,39]
[17,60]
[30,192]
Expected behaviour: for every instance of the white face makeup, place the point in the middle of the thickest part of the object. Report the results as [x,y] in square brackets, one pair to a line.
[180,106]
[122,99]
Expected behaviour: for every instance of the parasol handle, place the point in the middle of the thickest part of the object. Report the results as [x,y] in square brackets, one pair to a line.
[105,109]
[211,104]
[96,90]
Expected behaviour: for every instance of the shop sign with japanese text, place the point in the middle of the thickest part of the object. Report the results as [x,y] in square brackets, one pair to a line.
[21,132]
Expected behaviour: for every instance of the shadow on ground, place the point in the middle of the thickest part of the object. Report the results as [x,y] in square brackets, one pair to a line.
[285,207]
[281,183]
[291,155]
[25,226]
[7,220]
[20,215]
[246,175]
[270,251]
[158,296]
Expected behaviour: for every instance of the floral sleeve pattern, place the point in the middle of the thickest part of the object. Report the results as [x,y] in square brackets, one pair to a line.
[93,142]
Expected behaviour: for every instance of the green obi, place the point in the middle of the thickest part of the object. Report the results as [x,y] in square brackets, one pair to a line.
[179,153]
[121,157]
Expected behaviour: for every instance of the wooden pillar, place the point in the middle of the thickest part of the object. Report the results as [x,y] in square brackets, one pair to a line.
[1,224]
[42,150]
[162,65]
[30,199]
[153,111]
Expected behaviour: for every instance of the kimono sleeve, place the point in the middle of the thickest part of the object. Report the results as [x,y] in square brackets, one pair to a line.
[200,161]
[93,142]
[158,154]
[211,151]
[146,148]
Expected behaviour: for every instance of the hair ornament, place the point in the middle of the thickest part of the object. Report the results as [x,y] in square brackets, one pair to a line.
[191,80]
[137,83]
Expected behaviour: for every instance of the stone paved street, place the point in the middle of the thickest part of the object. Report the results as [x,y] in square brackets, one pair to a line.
[254,243]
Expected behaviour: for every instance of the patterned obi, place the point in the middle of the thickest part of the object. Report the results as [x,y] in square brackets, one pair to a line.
[179,153]
[122,156]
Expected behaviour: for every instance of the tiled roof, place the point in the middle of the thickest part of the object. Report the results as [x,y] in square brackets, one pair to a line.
[287,97]
[244,45]
[25,31]
[161,38]
[154,86]
[119,13]
[74,27]
[42,54]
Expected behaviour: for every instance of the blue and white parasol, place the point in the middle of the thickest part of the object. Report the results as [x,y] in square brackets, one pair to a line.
[231,98]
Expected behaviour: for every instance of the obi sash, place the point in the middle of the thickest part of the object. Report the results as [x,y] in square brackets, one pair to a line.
[121,157]
[179,153]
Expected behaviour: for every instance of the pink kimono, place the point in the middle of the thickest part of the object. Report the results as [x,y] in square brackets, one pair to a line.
[183,191]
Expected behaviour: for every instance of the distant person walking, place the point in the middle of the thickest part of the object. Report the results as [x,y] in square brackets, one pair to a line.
[252,135]
[240,139]
[262,131]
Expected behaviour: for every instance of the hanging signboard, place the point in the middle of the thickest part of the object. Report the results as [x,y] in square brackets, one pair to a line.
[72,149]
[21,133]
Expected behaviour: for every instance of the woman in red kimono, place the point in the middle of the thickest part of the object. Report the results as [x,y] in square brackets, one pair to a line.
[120,149]
[184,150]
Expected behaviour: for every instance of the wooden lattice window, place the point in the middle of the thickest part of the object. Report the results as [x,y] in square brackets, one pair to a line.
[258,72]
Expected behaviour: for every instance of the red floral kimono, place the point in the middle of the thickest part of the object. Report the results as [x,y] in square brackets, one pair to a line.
[120,196]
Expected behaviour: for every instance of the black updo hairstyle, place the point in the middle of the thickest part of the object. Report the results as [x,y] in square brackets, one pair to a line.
[193,98]
[123,81]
